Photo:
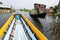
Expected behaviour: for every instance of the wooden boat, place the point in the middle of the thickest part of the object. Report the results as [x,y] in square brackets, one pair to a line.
[41,15]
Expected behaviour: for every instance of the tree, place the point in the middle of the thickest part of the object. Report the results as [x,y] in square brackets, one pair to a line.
[56,8]
[1,3]
[21,10]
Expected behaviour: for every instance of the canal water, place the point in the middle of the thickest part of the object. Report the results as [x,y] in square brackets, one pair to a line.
[49,26]
[3,18]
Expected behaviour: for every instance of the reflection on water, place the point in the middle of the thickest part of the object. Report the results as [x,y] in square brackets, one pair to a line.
[51,27]
[3,18]
[56,28]
[35,21]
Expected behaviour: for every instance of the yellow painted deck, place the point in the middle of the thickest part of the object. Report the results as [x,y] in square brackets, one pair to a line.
[39,35]
[5,26]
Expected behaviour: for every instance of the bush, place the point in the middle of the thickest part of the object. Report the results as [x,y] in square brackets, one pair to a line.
[58,13]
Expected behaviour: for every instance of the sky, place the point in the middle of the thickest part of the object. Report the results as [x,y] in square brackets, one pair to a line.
[29,4]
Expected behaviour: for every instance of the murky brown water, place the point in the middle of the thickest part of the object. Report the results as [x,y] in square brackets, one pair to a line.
[49,26]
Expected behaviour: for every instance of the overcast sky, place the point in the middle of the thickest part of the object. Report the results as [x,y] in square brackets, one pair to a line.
[28,4]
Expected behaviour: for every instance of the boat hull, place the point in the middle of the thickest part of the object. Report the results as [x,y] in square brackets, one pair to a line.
[42,15]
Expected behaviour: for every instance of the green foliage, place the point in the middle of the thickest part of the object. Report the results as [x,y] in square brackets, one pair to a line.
[32,11]
[21,10]
[58,13]
[13,10]
[56,9]
[27,10]
[1,3]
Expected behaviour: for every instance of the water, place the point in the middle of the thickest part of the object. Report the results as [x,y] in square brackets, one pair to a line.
[3,18]
[49,26]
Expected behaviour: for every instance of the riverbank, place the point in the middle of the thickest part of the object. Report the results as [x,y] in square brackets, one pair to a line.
[6,11]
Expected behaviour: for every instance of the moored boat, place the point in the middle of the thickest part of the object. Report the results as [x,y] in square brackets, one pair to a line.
[41,15]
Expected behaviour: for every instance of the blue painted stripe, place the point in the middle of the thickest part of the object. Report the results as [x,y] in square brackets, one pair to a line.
[29,31]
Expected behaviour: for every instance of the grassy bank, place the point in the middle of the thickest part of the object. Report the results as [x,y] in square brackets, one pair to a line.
[2,11]
[27,10]
[6,11]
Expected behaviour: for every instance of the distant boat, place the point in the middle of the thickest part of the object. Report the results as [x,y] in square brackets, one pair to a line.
[41,15]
